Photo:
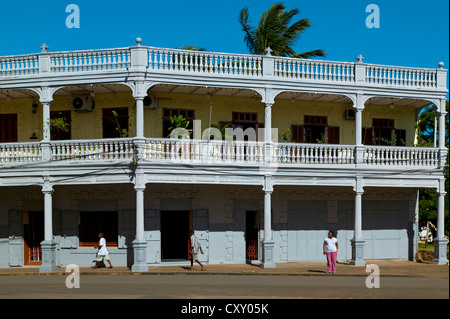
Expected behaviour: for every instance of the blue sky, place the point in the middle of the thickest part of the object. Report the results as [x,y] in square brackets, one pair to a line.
[412,33]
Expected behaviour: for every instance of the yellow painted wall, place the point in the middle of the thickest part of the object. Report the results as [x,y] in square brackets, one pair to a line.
[284,113]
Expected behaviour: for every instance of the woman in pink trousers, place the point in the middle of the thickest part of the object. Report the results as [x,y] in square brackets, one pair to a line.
[330,248]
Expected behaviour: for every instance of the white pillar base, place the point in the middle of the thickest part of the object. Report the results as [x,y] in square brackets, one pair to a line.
[48,257]
[140,256]
[440,251]
[267,248]
[358,252]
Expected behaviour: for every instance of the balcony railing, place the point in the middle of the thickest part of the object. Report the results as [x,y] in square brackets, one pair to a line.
[150,59]
[152,150]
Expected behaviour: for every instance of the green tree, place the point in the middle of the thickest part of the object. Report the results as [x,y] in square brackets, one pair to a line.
[275,31]
[427,197]
[192,48]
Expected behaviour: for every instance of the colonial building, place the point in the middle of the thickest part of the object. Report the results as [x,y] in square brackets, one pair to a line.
[84,148]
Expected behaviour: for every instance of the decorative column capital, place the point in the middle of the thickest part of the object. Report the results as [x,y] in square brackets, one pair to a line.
[47,188]
[268,185]
[358,188]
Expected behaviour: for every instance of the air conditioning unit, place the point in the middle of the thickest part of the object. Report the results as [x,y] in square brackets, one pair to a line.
[150,102]
[83,104]
[349,114]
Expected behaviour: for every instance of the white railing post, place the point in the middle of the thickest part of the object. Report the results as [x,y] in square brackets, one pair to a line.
[44,60]
[268,62]
[139,57]
[360,70]
[441,76]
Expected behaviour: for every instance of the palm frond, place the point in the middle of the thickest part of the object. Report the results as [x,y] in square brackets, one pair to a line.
[249,30]
[309,54]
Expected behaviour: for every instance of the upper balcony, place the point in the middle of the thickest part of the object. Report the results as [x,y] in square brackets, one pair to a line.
[160,65]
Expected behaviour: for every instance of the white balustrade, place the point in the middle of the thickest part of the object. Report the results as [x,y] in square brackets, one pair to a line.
[401,76]
[296,153]
[20,152]
[98,60]
[19,65]
[187,61]
[402,156]
[203,151]
[314,70]
[219,152]
[204,62]
[92,150]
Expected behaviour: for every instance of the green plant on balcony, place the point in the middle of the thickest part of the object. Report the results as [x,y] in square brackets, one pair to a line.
[124,132]
[392,142]
[285,136]
[322,139]
[221,127]
[58,124]
[179,122]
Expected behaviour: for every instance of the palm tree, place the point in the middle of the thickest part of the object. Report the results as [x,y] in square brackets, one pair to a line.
[192,48]
[274,31]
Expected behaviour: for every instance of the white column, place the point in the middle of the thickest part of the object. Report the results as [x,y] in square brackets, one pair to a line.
[359,147]
[268,122]
[440,243]
[268,244]
[46,121]
[440,214]
[140,244]
[48,246]
[358,126]
[442,129]
[139,117]
[358,215]
[48,212]
[268,215]
[140,213]
[357,241]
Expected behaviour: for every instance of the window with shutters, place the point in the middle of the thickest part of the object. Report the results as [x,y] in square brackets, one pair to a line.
[383,132]
[8,128]
[315,130]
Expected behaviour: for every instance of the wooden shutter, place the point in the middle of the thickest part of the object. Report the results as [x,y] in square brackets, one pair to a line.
[15,230]
[297,133]
[8,128]
[401,137]
[333,135]
[367,136]
[152,228]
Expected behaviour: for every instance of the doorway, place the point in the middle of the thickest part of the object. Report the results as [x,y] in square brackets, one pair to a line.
[251,234]
[33,229]
[175,226]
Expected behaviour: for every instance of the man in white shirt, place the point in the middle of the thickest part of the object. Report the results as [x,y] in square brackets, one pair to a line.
[330,248]
[195,247]
[102,252]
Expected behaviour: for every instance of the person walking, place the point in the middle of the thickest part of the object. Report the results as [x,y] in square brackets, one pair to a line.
[330,248]
[102,252]
[195,247]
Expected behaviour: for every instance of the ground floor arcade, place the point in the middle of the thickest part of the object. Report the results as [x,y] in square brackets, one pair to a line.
[229,221]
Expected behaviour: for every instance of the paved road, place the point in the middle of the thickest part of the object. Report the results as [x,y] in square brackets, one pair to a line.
[220,287]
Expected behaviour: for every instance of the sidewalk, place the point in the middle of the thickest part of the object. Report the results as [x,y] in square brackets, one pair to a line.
[388,268]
